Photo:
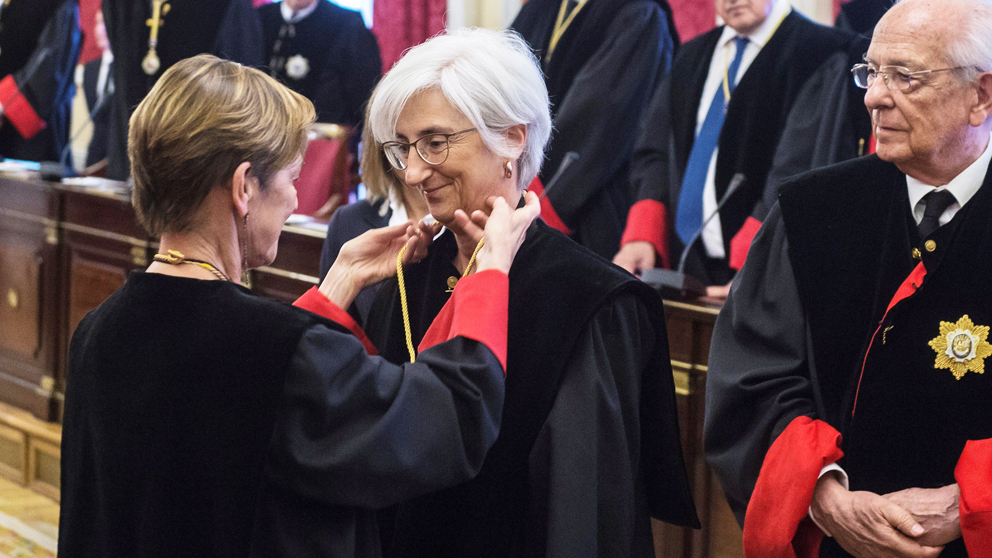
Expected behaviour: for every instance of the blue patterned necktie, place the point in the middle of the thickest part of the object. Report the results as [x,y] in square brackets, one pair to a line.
[689,217]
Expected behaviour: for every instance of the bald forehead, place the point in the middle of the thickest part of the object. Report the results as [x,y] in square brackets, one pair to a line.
[916,33]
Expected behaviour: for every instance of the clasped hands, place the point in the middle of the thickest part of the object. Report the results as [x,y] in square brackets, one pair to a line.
[911,523]
[371,257]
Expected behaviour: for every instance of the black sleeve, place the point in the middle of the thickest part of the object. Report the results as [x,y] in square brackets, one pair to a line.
[356,430]
[597,117]
[586,483]
[240,35]
[46,81]
[652,166]
[758,378]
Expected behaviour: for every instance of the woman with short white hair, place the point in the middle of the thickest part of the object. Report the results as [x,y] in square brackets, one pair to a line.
[589,445]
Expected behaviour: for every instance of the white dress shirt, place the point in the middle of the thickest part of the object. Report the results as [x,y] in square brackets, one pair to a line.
[963,186]
[289,16]
[722,56]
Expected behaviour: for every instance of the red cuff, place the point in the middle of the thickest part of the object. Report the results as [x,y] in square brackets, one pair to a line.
[477,310]
[741,242]
[647,221]
[18,110]
[973,473]
[776,524]
[317,303]
[548,212]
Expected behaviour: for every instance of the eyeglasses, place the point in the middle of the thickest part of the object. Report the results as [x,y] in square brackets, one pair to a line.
[432,148]
[895,77]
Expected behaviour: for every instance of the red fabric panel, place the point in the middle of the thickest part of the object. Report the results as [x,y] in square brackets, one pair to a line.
[548,212]
[974,476]
[401,24]
[905,290]
[87,19]
[741,243]
[477,310]
[647,221]
[317,303]
[693,17]
[871,144]
[324,172]
[258,3]
[780,502]
[18,111]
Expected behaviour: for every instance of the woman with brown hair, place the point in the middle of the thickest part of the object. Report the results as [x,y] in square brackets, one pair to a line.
[203,420]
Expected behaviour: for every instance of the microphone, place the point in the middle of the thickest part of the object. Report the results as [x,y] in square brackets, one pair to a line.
[567,160]
[676,283]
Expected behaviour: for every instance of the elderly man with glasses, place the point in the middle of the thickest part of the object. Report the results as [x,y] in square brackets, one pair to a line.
[846,392]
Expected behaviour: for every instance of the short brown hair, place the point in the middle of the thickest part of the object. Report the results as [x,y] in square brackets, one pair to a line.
[203,118]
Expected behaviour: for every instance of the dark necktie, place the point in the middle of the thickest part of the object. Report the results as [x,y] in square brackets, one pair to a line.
[689,214]
[936,202]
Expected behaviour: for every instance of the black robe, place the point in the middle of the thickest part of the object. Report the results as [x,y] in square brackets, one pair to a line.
[228,28]
[589,445]
[828,123]
[813,300]
[755,118]
[342,57]
[36,77]
[600,77]
[204,420]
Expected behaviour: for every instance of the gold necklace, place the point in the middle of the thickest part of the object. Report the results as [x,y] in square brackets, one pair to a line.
[402,284]
[175,257]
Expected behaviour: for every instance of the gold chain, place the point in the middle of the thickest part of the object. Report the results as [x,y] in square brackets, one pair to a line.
[403,304]
[561,25]
[175,257]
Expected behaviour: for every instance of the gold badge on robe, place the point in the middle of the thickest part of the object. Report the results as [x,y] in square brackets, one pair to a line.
[961,347]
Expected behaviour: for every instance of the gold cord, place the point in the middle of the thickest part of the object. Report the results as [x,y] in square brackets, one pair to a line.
[403,304]
[561,25]
[175,257]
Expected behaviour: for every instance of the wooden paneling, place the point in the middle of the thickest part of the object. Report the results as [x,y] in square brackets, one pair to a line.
[13,454]
[20,309]
[44,468]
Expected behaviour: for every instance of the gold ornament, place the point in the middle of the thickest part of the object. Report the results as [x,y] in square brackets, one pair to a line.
[961,347]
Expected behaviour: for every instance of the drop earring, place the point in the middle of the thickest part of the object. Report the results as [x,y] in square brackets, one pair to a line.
[509,170]
[244,255]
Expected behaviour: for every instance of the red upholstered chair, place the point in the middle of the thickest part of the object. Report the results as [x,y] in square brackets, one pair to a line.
[326,175]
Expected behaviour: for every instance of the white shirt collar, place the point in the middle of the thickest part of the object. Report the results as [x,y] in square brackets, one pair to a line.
[289,17]
[963,186]
[764,32]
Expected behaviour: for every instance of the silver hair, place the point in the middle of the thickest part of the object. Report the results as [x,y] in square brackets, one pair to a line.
[492,77]
[971,48]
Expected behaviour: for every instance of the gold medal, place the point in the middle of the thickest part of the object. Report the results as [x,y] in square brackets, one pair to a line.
[961,347]
[151,63]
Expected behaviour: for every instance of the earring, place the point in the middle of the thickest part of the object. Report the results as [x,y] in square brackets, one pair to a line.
[509,170]
[244,254]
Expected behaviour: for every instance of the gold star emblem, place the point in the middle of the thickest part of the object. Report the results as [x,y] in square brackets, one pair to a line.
[961,347]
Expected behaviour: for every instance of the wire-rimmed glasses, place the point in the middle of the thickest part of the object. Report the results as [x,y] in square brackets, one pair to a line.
[895,77]
[432,149]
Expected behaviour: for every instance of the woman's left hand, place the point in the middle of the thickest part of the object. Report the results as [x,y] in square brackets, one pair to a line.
[371,257]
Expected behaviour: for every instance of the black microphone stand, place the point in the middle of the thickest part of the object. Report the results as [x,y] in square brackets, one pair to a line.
[675,283]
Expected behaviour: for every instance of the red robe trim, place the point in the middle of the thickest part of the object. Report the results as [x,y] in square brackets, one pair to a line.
[548,212]
[871,144]
[906,289]
[317,303]
[974,476]
[777,524]
[18,110]
[477,310]
[741,243]
[647,221]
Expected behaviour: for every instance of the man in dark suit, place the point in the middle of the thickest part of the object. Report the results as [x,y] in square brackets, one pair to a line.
[846,394]
[718,115]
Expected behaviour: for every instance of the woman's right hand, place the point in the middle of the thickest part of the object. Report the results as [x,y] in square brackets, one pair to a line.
[504,230]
